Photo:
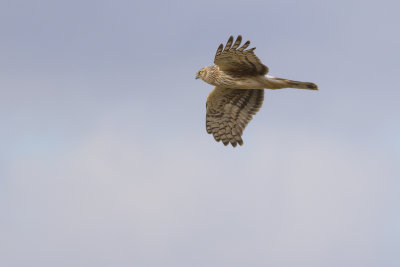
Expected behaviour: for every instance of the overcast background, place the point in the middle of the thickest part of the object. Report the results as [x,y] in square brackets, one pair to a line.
[105,160]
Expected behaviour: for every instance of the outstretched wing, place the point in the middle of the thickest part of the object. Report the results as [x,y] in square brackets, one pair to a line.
[229,111]
[238,60]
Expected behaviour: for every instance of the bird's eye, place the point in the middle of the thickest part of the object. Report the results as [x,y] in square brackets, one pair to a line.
[201,72]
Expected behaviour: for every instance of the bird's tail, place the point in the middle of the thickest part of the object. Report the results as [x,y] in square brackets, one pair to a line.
[278,83]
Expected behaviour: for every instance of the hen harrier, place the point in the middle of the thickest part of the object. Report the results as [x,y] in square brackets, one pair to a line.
[239,79]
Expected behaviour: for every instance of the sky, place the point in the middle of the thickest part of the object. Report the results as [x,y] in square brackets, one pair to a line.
[105,160]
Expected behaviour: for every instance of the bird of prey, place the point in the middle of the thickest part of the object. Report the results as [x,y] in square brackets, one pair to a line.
[239,78]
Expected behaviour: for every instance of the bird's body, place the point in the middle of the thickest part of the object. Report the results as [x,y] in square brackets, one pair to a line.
[227,79]
[239,78]
[214,76]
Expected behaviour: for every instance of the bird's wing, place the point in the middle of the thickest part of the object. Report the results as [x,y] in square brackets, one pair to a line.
[237,60]
[229,111]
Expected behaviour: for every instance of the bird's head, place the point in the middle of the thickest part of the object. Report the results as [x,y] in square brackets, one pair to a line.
[200,73]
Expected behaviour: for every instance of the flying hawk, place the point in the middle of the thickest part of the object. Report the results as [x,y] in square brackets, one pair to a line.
[239,78]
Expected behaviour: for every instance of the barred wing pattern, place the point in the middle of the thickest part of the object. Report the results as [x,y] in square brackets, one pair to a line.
[238,60]
[229,111]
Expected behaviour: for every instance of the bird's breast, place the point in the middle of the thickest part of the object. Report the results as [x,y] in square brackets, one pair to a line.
[240,82]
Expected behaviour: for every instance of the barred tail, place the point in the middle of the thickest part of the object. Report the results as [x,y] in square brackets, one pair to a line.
[277,83]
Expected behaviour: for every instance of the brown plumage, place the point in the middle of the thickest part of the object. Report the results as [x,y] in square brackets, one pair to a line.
[239,79]
[229,111]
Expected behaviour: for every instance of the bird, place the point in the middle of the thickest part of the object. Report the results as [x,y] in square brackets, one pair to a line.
[239,78]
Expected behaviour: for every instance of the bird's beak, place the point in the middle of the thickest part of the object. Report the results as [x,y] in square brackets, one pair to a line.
[197,76]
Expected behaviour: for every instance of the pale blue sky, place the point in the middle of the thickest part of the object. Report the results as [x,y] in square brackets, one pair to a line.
[105,160]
